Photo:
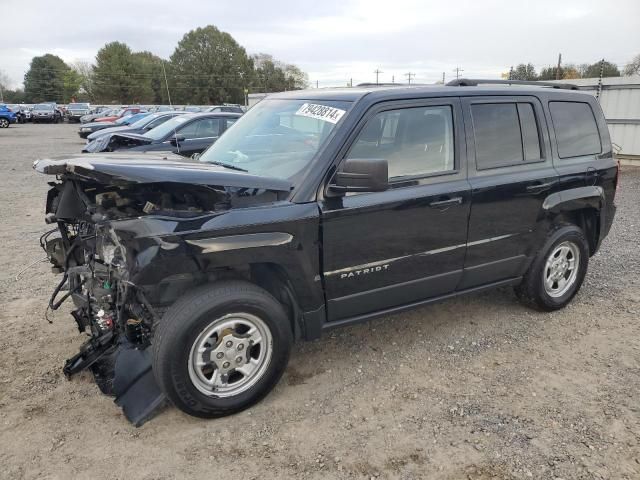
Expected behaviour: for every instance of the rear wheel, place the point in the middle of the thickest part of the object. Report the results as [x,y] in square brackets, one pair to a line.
[221,348]
[4,123]
[557,272]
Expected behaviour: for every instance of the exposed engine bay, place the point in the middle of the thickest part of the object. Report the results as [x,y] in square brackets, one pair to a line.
[97,263]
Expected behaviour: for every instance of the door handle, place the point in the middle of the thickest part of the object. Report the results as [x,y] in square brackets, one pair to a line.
[541,187]
[446,203]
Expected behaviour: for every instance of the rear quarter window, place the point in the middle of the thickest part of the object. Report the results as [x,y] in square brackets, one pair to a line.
[576,129]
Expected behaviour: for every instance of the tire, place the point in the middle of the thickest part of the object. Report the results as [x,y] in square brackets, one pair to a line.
[186,326]
[4,123]
[551,283]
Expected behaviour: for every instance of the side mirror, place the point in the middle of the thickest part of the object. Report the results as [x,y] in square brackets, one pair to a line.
[361,175]
[175,140]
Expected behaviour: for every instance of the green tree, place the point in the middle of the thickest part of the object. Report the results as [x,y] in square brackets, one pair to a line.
[524,72]
[113,75]
[274,76]
[71,82]
[48,79]
[208,66]
[609,70]
[149,79]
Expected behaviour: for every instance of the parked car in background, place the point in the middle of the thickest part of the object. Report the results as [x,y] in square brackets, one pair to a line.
[97,112]
[89,128]
[46,112]
[185,134]
[225,108]
[141,125]
[75,111]
[122,112]
[7,116]
[21,112]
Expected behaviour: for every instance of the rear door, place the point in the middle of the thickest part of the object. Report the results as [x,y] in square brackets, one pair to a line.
[511,173]
[387,249]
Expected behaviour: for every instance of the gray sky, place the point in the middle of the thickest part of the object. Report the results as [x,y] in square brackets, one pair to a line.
[335,40]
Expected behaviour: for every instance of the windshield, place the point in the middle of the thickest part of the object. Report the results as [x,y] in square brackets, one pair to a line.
[163,130]
[122,120]
[277,138]
[43,107]
[144,120]
[130,119]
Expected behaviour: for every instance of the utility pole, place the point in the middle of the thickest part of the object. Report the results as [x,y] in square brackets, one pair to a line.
[317,84]
[558,69]
[377,71]
[409,75]
[443,78]
[393,79]
[511,73]
[351,82]
[458,70]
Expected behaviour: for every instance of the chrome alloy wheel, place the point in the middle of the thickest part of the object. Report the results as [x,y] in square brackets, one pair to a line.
[561,269]
[230,355]
[4,123]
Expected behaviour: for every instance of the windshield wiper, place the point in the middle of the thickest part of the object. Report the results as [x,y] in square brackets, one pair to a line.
[229,166]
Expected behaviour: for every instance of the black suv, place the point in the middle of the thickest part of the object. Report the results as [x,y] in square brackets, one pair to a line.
[319,209]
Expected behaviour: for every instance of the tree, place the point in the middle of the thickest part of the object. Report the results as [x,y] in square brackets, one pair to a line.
[85,71]
[148,78]
[48,80]
[113,79]
[633,67]
[609,70]
[524,72]
[209,66]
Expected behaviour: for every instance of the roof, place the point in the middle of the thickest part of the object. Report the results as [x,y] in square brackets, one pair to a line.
[352,94]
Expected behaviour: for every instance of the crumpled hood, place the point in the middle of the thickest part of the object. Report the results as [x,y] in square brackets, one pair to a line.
[116,168]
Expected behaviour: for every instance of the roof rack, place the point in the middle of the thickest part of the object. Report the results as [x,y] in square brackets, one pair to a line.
[468,82]
[373,84]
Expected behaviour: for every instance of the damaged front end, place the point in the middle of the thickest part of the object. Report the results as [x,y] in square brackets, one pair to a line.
[101,263]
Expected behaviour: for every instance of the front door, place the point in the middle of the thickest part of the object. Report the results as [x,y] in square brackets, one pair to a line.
[387,249]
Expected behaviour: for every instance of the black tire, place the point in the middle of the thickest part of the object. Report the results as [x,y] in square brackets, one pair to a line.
[188,317]
[4,123]
[532,291]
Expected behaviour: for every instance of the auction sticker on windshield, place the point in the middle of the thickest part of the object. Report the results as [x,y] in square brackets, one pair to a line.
[321,112]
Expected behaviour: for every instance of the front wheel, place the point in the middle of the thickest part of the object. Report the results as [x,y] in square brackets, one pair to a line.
[221,348]
[4,123]
[557,272]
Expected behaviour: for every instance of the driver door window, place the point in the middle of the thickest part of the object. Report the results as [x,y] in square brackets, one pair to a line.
[415,141]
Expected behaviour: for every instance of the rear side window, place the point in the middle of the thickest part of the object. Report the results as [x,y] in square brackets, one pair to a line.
[505,134]
[576,129]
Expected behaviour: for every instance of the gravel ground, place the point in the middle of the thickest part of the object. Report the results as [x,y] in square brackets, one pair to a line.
[475,388]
